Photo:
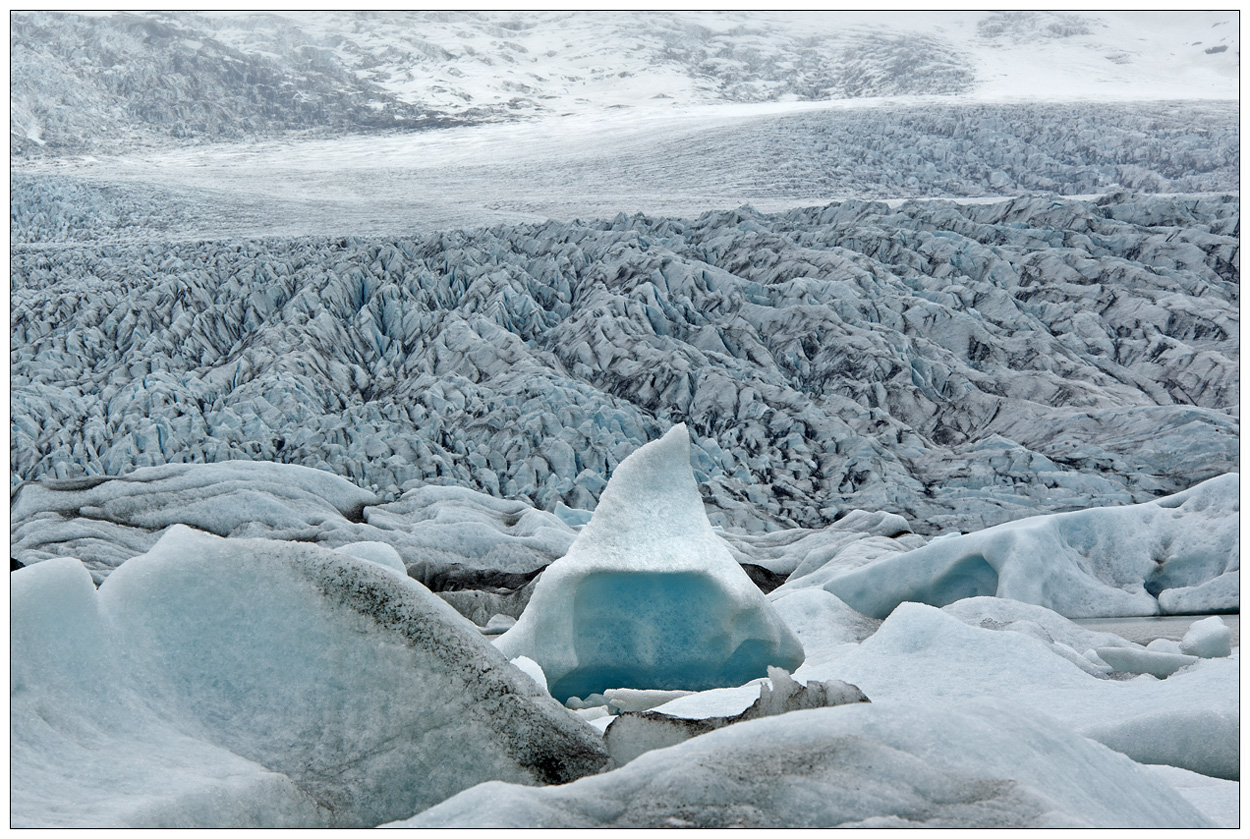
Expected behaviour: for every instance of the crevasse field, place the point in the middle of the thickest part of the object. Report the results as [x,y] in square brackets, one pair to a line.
[624,420]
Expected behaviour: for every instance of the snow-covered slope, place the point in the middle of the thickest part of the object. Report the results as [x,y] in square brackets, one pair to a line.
[570,167]
[90,81]
[962,365]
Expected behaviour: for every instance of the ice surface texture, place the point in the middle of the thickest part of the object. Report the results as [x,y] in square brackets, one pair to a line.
[189,77]
[870,765]
[217,682]
[960,365]
[648,596]
[446,537]
[923,654]
[1142,559]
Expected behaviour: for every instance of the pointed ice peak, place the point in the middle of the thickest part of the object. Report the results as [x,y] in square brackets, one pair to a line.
[652,494]
[648,596]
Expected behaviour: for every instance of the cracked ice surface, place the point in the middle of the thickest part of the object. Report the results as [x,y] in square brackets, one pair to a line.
[961,365]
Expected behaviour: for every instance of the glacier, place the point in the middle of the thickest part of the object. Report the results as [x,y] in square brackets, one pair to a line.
[243,682]
[351,352]
[961,365]
[1179,554]
[869,765]
[647,596]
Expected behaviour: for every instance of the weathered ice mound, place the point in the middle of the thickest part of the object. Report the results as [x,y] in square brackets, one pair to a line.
[648,596]
[223,682]
[1177,555]
[867,765]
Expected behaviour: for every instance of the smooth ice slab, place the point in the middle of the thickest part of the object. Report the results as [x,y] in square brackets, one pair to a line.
[1189,719]
[236,682]
[648,596]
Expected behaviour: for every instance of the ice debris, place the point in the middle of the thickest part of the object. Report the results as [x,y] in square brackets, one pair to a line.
[634,733]
[1208,638]
[648,596]
[241,682]
[1139,660]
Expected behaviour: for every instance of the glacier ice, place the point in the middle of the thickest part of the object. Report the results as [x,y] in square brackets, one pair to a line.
[648,596]
[1190,719]
[244,682]
[377,552]
[639,730]
[960,365]
[1133,660]
[1103,562]
[1208,638]
[981,764]
[1217,799]
[446,537]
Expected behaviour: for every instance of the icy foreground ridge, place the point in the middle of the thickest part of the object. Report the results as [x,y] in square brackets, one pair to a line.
[1178,555]
[861,765]
[648,596]
[219,682]
[960,365]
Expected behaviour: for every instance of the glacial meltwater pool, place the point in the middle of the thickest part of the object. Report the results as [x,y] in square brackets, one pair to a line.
[1145,630]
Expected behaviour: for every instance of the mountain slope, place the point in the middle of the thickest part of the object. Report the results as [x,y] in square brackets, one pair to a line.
[106,82]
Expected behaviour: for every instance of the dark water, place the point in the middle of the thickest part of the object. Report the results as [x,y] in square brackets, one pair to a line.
[1145,630]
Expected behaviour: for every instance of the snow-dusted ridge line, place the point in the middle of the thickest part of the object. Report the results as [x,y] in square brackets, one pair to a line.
[184,76]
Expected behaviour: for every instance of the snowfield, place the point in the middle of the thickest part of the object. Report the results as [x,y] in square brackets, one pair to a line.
[587,420]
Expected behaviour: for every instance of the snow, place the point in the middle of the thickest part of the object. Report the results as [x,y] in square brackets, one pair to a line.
[899,764]
[245,682]
[1103,562]
[273,384]
[1208,638]
[648,596]
[1189,719]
